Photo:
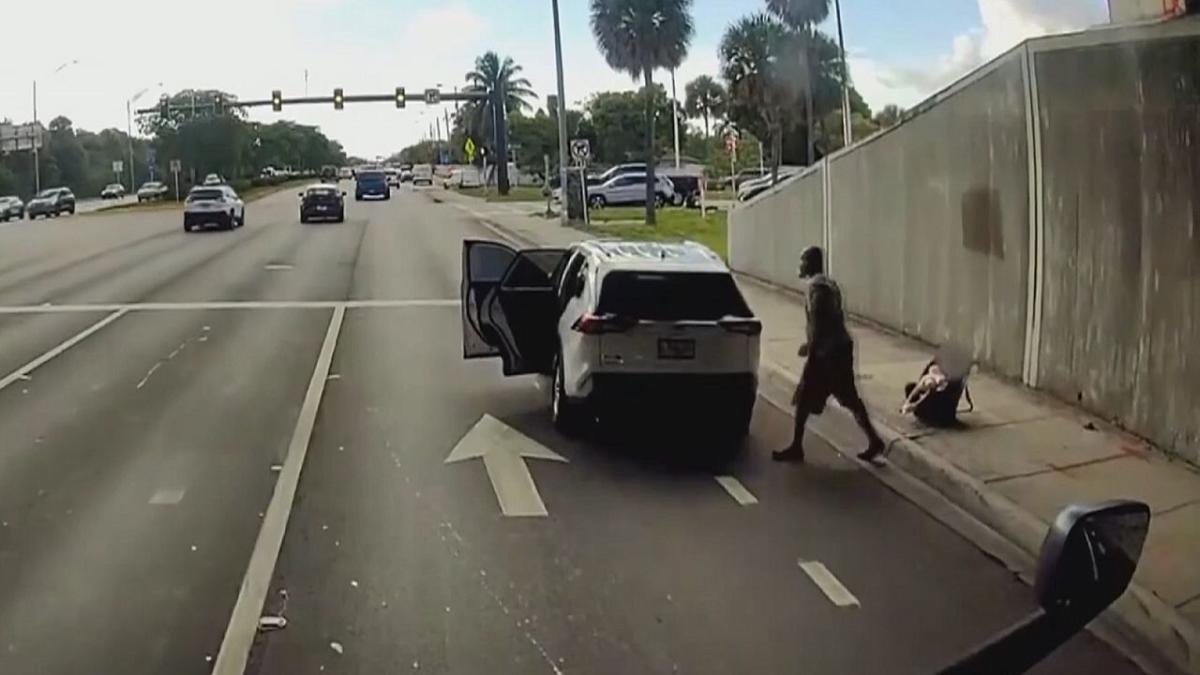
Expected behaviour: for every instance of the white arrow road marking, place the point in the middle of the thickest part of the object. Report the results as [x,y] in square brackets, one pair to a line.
[838,594]
[734,487]
[504,451]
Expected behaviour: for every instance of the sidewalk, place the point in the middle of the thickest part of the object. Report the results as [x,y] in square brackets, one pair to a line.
[1021,457]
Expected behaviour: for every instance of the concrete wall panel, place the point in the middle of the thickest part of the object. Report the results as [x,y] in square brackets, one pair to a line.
[767,234]
[1120,335]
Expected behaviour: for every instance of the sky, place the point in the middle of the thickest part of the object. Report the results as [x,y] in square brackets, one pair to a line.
[898,52]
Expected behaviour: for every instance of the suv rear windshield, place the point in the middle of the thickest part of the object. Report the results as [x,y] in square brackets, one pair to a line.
[322,192]
[206,195]
[370,176]
[672,296]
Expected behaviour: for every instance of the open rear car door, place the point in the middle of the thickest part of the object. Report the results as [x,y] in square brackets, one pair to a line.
[512,313]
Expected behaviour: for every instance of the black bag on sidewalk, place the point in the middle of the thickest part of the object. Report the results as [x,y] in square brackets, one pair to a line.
[939,407]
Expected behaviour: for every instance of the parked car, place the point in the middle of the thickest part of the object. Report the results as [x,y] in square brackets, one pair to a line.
[51,202]
[620,327]
[11,207]
[322,201]
[213,205]
[463,177]
[214,179]
[422,174]
[741,177]
[371,183]
[112,191]
[618,170]
[752,189]
[630,188]
[151,191]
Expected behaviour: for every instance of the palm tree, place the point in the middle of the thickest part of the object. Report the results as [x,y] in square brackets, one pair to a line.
[754,55]
[636,37]
[705,99]
[803,16]
[492,73]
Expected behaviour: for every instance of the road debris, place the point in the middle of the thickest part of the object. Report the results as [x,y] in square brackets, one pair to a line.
[336,646]
[270,623]
[334,376]
[276,468]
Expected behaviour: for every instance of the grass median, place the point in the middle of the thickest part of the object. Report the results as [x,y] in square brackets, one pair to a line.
[518,193]
[674,224]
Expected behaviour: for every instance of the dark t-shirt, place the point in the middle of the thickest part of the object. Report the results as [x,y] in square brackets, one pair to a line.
[826,320]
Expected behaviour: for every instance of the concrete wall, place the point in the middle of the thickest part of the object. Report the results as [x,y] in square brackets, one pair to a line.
[1120,332]
[773,229]
[930,223]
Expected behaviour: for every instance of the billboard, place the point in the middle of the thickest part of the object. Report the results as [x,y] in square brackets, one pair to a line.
[19,137]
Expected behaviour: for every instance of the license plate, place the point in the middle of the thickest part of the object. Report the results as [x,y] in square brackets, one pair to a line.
[677,349]
[322,208]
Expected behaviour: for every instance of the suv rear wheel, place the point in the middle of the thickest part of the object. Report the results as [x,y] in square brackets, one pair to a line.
[597,201]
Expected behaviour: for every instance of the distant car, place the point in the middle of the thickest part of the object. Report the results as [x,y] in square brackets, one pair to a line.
[11,207]
[371,183]
[51,202]
[112,191]
[623,328]
[213,179]
[345,173]
[393,176]
[322,201]
[329,173]
[213,205]
[151,191]
[463,177]
[618,170]
[406,175]
[422,174]
[743,176]
[630,188]
[751,189]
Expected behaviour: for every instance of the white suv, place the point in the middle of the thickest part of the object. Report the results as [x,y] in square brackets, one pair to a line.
[213,205]
[622,327]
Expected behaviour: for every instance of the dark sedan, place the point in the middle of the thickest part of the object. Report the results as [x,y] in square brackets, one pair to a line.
[322,202]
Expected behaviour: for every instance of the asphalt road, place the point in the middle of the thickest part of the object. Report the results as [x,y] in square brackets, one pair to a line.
[142,453]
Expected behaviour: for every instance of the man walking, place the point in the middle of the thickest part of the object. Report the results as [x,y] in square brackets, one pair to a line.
[829,367]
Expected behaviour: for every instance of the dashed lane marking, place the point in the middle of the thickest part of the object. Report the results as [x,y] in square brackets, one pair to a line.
[739,492]
[23,372]
[833,589]
[167,497]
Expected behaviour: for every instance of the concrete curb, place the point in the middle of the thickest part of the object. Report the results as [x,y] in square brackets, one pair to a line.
[1140,624]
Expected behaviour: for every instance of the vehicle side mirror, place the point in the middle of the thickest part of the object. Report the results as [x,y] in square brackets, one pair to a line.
[1089,555]
[343,193]
[301,194]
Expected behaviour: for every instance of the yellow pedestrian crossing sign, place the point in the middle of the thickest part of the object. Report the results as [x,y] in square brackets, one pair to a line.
[469,149]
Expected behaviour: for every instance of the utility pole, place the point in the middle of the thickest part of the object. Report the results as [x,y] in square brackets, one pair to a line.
[847,130]
[562,115]
[37,140]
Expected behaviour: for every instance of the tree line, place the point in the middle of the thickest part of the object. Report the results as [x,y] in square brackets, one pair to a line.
[202,129]
[779,87]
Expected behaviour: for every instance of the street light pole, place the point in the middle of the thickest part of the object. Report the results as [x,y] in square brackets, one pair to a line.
[129,132]
[847,131]
[675,117]
[37,165]
[562,115]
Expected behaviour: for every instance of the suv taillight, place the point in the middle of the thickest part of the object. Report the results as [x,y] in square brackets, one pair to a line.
[743,326]
[598,324]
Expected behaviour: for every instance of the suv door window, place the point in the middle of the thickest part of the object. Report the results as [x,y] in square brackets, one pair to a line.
[524,311]
[483,266]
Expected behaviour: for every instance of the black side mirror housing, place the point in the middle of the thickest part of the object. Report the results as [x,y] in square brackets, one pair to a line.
[1086,562]
[1089,555]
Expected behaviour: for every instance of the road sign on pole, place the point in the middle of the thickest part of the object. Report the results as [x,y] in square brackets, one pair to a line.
[176,167]
[118,166]
[469,149]
[433,96]
[581,150]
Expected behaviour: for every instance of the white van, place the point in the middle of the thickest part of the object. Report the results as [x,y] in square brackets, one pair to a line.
[422,174]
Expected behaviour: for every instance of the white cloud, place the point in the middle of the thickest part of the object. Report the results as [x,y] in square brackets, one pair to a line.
[1004,24]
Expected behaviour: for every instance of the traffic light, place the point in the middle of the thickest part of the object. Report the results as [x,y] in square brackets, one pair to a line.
[276,100]
[219,105]
[164,107]
[339,99]
[400,100]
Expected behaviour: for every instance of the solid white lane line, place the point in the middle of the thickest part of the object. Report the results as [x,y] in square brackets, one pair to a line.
[243,622]
[833,589]
[231,304]
[82,335]
[734,487]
